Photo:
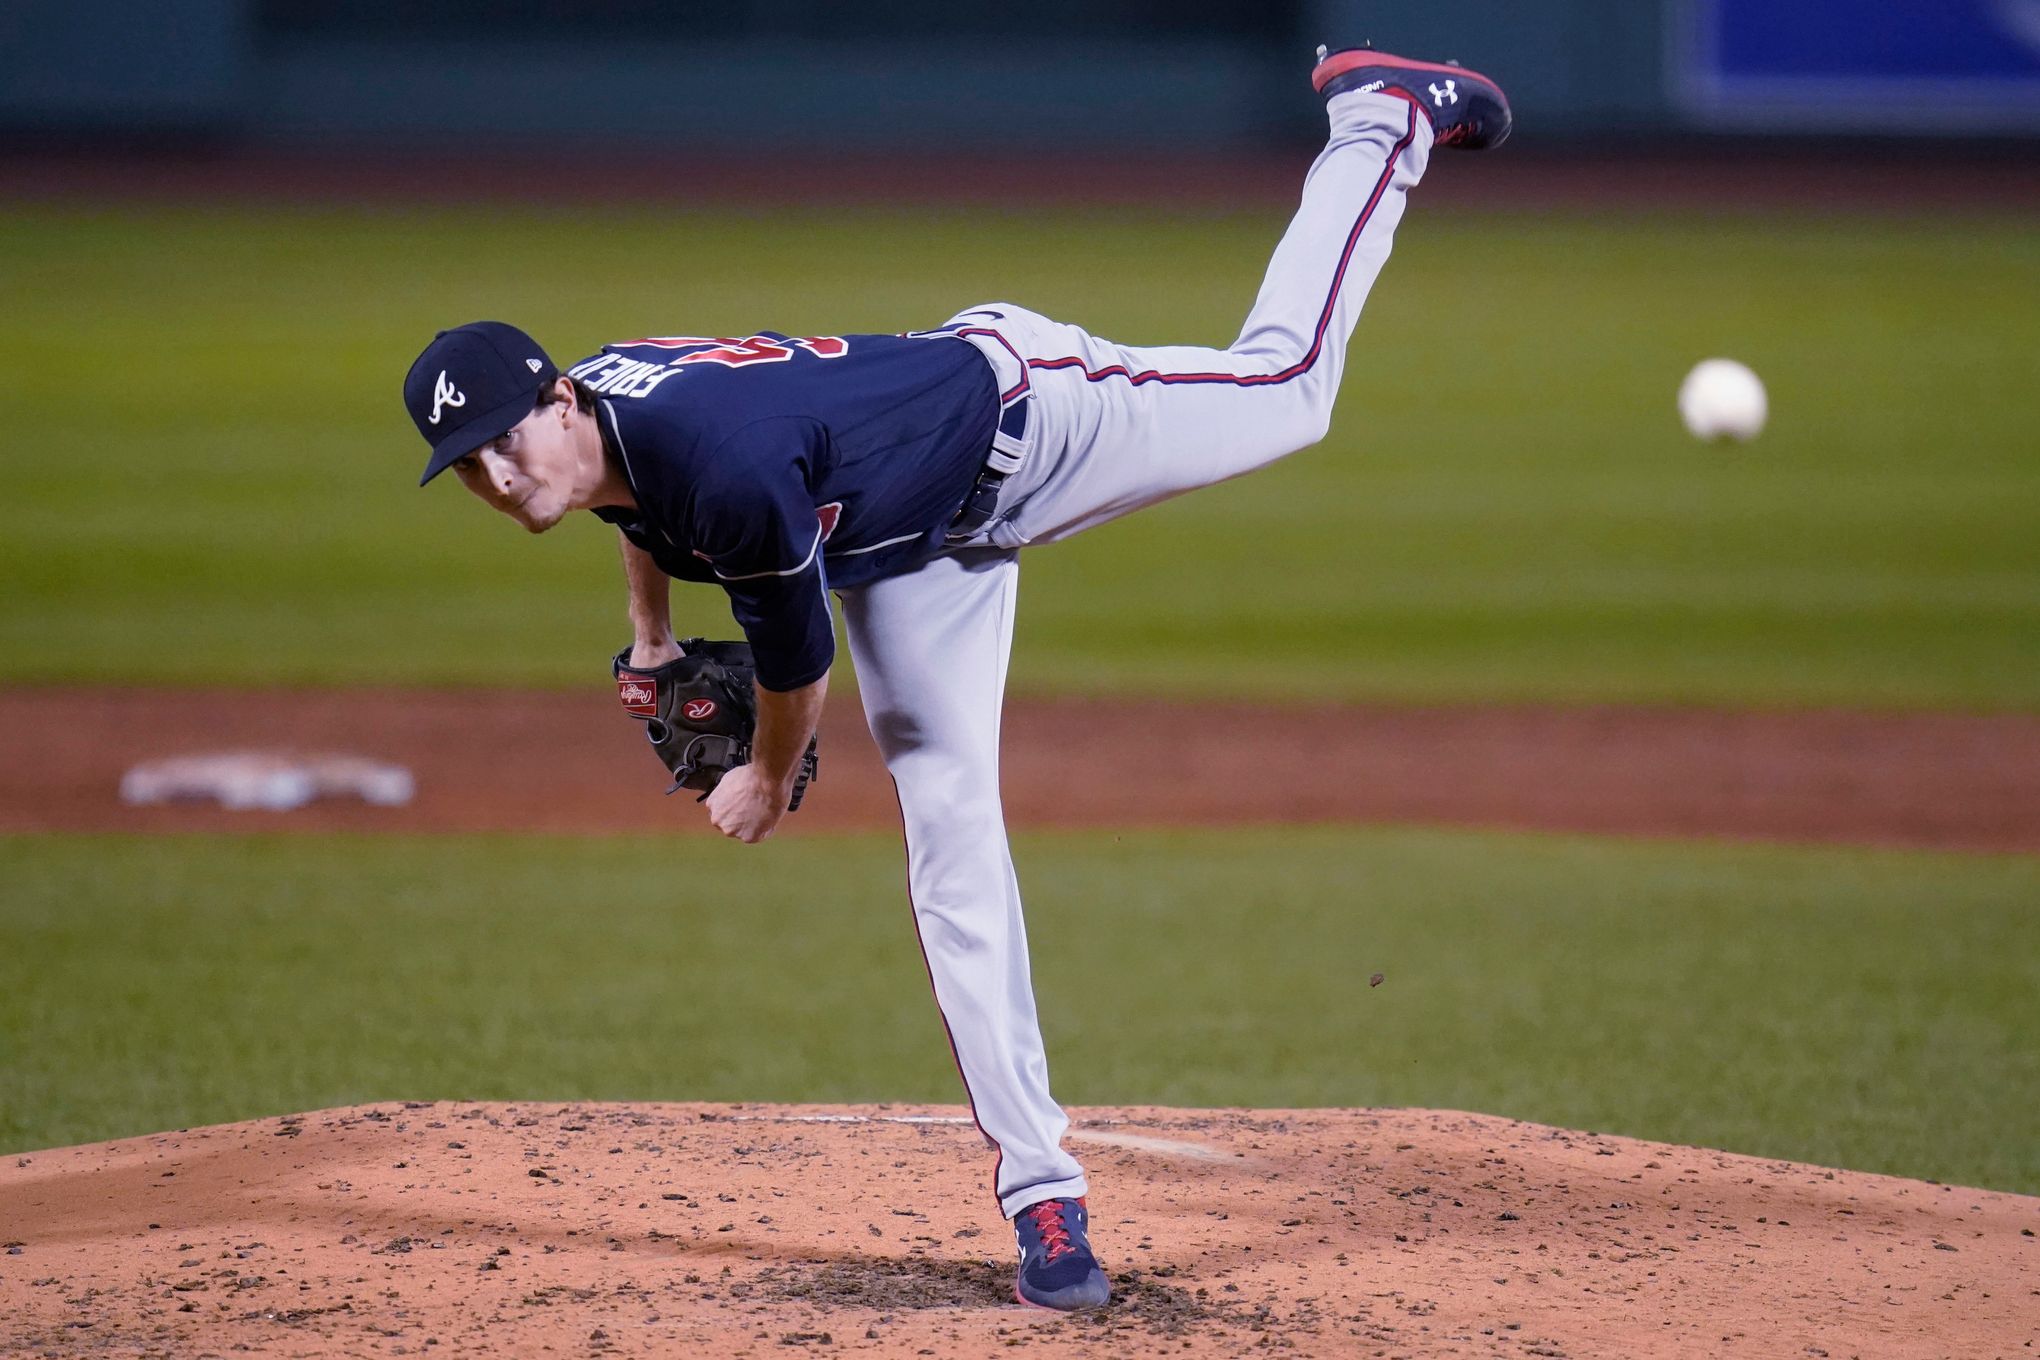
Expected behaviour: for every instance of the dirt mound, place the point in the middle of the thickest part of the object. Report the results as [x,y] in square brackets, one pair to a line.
[613,1230]
[536,761]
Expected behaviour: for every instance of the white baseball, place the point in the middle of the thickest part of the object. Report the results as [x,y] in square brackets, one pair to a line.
[1722,399]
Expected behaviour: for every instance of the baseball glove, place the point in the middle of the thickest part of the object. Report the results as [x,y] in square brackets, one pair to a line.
[700,713]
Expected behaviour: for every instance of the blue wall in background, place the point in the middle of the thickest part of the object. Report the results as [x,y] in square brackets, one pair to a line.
[1950,65]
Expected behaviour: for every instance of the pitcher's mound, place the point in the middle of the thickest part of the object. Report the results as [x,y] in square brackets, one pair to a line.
[662,1230]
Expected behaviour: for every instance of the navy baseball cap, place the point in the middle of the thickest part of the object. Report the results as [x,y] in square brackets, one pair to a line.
[471,384]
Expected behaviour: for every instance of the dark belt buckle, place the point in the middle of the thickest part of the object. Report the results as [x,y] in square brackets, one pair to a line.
[978,510]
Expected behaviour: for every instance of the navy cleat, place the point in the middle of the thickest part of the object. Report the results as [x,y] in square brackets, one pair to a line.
[1466,109]
[1057,1269]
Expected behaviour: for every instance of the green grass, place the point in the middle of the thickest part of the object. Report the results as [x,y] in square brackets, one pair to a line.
[1866,1009]
[210,472]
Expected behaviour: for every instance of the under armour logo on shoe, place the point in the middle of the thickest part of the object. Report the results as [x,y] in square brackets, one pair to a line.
[1447,94]
[445,394]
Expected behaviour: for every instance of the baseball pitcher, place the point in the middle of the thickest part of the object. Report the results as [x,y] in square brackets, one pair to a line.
[904,473]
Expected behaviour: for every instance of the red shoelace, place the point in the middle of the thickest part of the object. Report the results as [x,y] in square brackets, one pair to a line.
[1055,1238]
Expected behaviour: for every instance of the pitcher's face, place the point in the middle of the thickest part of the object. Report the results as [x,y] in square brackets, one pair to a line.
[535,471]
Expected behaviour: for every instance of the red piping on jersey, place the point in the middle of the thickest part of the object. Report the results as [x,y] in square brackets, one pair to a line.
[1317,343]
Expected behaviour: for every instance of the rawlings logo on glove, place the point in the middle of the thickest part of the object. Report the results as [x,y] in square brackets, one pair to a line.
[700,713]
[640,697]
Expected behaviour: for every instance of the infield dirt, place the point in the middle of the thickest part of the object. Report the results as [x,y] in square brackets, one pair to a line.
[659,1230]
[502,760]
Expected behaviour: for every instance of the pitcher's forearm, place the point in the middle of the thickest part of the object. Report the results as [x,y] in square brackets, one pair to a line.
[785,723]
[651,618]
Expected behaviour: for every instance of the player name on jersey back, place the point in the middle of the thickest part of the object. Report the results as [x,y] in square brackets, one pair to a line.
[619,375]
[612,375]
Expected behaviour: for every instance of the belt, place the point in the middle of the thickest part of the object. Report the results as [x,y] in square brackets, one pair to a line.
[1008,451]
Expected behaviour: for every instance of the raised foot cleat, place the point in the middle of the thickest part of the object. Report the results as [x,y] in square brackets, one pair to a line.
[1467,110]
[1057,1269]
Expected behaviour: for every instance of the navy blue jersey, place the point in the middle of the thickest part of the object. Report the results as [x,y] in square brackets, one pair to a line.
[780,468]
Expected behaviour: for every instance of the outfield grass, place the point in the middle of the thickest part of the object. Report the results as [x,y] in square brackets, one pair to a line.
[1868,1009]
[211,471]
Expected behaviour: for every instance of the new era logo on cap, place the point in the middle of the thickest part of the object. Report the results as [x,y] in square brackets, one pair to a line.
[471,384]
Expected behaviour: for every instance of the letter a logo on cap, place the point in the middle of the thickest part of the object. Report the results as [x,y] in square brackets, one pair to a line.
[445,394]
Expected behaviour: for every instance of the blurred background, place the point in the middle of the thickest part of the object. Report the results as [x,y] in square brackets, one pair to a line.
[264,209]
[915,74]
[1682,790]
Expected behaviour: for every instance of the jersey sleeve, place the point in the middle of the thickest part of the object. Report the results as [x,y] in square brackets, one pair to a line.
[755,522]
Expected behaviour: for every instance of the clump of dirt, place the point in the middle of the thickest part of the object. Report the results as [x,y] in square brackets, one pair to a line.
[443,1229]
[888,1284]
